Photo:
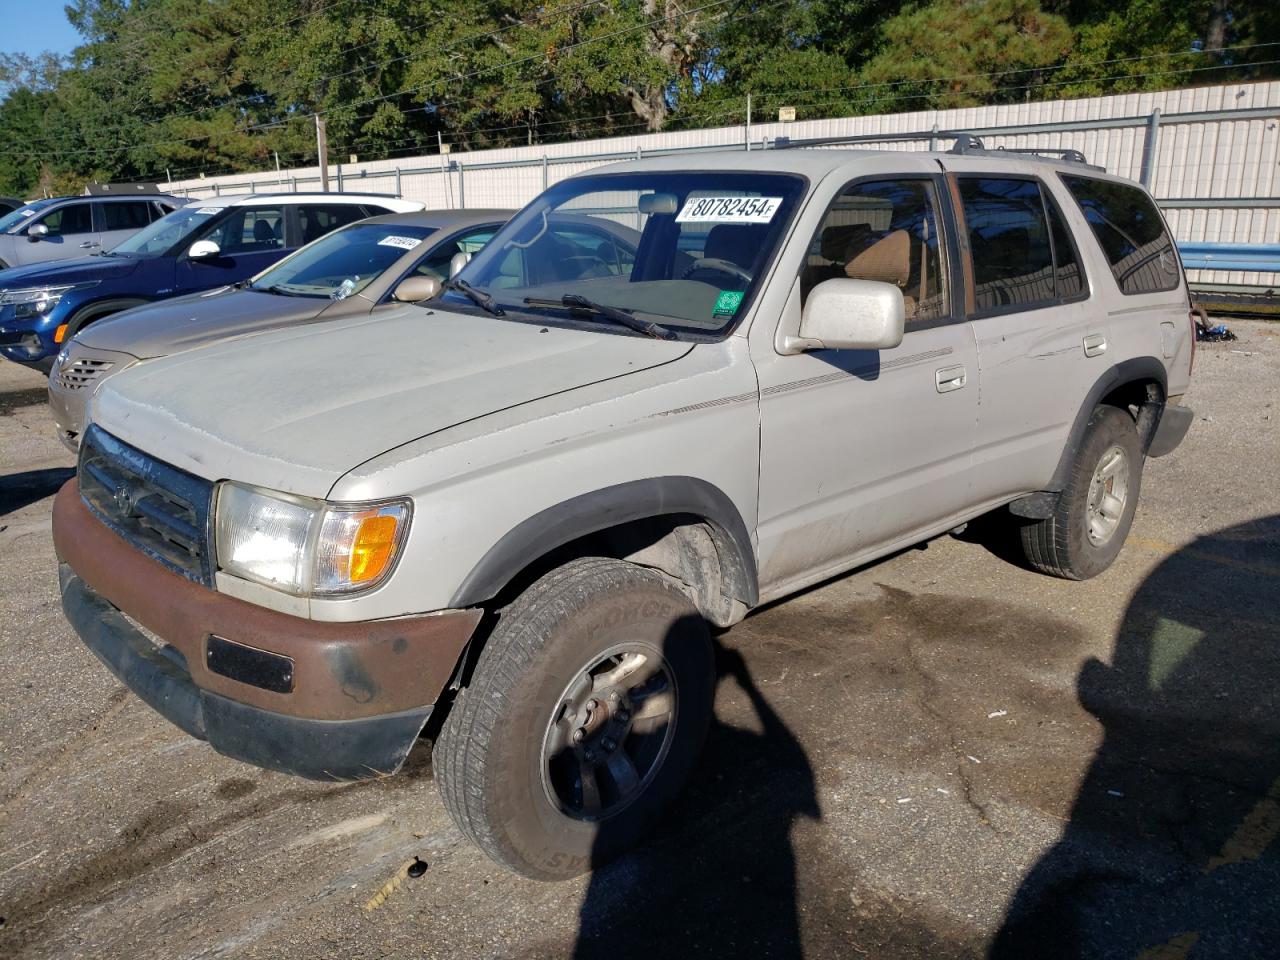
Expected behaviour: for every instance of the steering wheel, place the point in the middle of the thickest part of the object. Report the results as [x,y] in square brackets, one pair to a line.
[719,266]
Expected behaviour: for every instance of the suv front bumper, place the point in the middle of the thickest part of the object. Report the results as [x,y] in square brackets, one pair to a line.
[327,701]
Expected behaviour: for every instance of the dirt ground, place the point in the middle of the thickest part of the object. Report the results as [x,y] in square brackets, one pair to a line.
[940,755]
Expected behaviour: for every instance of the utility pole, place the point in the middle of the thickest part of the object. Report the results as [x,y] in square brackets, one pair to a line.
[322,152]
[748,122]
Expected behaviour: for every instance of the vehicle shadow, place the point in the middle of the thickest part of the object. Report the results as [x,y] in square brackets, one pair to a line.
[18,490]
[1171,850]
[719,879]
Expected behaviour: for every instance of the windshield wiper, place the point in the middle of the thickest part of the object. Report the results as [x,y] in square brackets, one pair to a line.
[575,302]
[478,297]
[279,290]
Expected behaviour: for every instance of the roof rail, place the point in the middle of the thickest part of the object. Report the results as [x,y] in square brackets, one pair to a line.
[966,144]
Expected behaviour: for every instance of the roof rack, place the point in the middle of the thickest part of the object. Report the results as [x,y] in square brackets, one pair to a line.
[966,144]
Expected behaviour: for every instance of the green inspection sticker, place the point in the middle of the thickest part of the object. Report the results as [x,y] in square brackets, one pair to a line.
[727,303]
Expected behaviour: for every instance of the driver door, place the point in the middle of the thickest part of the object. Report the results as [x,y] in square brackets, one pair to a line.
[250,240]
[861,450]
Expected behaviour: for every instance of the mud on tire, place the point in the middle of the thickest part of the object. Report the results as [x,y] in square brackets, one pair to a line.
[512,758]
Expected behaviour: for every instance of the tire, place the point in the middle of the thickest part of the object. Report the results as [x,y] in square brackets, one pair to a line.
[506,768]
[1078,542]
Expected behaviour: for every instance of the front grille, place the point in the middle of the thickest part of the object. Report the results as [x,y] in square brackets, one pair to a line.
[82,373]
[161,510]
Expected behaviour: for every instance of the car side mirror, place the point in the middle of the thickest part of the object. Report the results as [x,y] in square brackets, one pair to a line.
[203,250]
[458,261]
[417,289]
[847,314]
[37,232]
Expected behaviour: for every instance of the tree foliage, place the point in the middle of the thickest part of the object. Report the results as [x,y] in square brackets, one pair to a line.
[169,87]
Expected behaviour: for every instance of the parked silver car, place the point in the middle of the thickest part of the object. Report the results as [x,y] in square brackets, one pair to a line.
[359,269]
[64,227]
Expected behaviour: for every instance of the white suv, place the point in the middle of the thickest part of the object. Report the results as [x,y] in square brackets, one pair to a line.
[666,392]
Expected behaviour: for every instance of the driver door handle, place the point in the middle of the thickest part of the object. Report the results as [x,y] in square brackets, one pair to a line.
[950,378]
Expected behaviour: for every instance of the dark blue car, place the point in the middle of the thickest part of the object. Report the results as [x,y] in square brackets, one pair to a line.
[206,244]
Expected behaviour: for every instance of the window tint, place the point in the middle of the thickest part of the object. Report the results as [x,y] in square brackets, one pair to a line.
[888,231]
[1009,243]
[1131,233]
[437,264]
[1070,276]
[126,216]
[315,220]
[73,218]
[250,230]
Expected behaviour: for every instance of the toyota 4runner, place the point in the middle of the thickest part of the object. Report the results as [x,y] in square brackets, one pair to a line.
[509,514]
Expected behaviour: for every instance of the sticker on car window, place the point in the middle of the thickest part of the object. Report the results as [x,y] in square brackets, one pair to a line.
[728,210]
[211,210]
[29,213]
[727,304]
[404,243]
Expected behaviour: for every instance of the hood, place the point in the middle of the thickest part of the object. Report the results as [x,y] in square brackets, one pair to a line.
[172,326]
[62,272]
[295,409]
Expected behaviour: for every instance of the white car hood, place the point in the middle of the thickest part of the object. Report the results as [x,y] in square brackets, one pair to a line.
[297,408]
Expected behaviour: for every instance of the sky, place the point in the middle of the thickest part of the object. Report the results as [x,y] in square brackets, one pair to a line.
[33,26]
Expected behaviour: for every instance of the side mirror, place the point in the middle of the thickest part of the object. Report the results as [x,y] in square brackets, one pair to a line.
[851,315]
[203,250]
[456,264]
[417,289]
[37,232]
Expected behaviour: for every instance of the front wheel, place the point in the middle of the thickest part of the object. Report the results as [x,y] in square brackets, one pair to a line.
[1095,510]
[587,710]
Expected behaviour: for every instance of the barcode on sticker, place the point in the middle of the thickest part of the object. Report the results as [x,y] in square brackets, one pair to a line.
[728,210]
[404,243]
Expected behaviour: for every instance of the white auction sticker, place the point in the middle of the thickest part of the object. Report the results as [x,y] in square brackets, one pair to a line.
[29,213]
[211,210]
[404,243]
[728,210]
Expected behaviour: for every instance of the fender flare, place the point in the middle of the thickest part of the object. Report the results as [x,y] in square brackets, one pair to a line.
[610,507]
[1040,505]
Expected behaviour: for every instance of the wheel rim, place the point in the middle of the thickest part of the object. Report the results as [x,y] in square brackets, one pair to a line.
[1108,495]
[610,732]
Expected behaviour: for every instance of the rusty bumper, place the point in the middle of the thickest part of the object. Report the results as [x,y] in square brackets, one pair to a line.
[321,700]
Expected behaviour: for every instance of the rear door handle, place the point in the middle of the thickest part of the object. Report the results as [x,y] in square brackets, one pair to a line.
[950,378]
[1095,345]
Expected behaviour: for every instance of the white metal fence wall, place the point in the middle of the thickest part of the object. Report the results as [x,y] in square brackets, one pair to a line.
[1209,154]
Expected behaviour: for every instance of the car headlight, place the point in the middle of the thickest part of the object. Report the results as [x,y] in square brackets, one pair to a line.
[307,547]
[36,301]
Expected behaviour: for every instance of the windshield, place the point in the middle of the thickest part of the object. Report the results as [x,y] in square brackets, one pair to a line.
[17,217]
[167,232]
[685,250]
[342,263]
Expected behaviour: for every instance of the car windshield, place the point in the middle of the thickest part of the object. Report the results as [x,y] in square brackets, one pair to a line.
[20,216]
[342,263]
[170,230]
[683,250]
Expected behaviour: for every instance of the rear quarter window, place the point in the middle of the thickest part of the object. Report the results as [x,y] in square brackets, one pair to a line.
[1131,233]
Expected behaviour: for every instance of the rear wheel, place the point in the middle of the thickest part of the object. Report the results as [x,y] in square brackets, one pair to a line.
[1095,510]
[586,712]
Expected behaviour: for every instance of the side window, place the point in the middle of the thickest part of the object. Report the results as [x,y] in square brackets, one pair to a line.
[884,230]
[250,230]
[1132,235]
[437,263]
[1009,242]
[1066,261]
[315,220]
[72,219]
[133,215]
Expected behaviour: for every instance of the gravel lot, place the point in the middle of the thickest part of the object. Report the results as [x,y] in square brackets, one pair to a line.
[940,755]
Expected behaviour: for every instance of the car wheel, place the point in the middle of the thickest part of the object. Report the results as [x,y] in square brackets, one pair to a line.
[1095,509]
[586,712]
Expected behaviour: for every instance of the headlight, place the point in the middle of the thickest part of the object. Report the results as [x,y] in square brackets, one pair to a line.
[307,547]
[35,301]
